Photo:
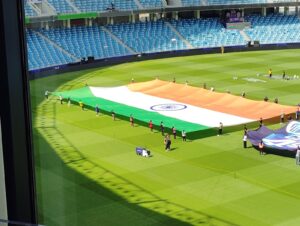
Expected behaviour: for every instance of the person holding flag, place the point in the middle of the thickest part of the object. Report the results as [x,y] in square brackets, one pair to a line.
[131,120]
[174,132]
[151,125]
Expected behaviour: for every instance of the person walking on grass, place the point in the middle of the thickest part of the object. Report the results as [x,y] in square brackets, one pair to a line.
[167,142]
[183,134]
[270,73]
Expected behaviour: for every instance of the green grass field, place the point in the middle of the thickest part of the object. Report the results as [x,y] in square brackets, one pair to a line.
[88,174]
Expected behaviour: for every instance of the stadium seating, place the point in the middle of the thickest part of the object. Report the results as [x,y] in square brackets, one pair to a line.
[42,54]
[61,6]
[148,37]
[103,5]
[151,3]
[274,28]
[207,33]
[28,10]
[86,41]
[227,2]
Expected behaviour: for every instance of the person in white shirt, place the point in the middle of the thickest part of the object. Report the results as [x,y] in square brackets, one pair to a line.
[298,156]
[183,134]
[46,94]
[145,153]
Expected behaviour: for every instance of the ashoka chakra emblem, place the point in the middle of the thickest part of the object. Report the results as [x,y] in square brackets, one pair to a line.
[168,107]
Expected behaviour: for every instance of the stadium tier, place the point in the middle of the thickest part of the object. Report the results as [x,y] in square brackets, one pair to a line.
[228,2]
[79,6]
[28,10]
[207,33]
[86,41]
[98,6]
[274,28]
[151,3]
[42,54]
[148,37]
[61,6]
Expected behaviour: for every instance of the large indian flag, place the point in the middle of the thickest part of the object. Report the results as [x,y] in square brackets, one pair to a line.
[184,107]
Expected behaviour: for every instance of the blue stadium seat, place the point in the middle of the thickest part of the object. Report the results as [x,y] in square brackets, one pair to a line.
[274,28]
[86,41]
[224,2]
[103,5]
[151,3]
[147,37]
[205,33]
[42,54]
[28,10]
[61,6]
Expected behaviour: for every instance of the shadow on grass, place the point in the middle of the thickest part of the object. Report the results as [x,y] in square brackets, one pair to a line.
[129,203]
[284,153]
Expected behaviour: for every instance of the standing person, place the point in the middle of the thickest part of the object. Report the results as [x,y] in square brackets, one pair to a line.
[162,128]
[298,114]
[131,120]
[81,105]
[245,129]
[174,80]
[183,134]
[174,132]
[283,75]
[220,129]
[97,109]
[168,142]
[276,100]
[69,101]
[260,122]
[298,156]
[282,118]
[151,125]
[270,73]
[113,115]
[61,99]
[245,140]
[261,148]
[46,94]
[222,50]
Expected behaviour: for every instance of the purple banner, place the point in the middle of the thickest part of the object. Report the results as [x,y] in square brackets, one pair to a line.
[285,138]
